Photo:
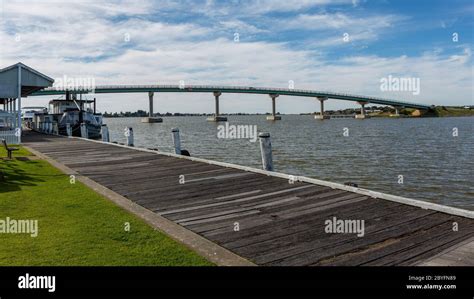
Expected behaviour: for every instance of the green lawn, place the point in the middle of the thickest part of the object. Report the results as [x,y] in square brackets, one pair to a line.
[76,225]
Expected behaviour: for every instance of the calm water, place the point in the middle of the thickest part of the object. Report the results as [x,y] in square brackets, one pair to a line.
[435,166]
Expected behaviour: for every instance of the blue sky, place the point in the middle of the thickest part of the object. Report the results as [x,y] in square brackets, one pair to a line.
[302,41]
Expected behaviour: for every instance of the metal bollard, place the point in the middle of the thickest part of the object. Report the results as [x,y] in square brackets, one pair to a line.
[84,132]
[266,150]
[176,141]
[104,132]
[129,135]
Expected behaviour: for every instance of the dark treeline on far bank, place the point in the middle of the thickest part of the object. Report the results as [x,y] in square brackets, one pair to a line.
[439,111]
[141,113]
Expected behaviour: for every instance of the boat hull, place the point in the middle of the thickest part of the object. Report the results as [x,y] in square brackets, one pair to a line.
[93,131]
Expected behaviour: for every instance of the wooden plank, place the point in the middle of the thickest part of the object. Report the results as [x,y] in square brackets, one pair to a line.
[271,197]
[316,245]
[283,227]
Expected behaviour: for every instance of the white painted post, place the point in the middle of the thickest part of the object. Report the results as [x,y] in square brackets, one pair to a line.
[129,134]
[266,150]
[19,103]
[176,140]
[84,133]
[68,130]
[104,132]
[55,128]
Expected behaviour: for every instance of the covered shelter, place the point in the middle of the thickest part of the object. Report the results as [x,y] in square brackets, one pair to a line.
[17,81]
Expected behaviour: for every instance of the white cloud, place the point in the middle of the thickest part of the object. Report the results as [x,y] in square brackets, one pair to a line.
[341,21]
[87,44]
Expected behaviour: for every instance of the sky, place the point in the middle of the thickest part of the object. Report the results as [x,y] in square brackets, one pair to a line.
[341,45]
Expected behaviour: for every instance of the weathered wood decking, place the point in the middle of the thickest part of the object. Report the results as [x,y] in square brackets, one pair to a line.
[280,223]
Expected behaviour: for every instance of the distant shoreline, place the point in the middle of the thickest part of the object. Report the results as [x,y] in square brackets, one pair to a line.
[438,111]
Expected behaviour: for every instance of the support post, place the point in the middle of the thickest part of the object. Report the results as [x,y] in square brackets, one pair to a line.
[84,133]
[151,118]
[362,111]
[55,128]
[397,111]
[176,141]
[129,135]
[19,103]
[266,151]
[217,94]
[150,103]
[217,116]
[273,116]
[104,132]
[321,114]
[68,130]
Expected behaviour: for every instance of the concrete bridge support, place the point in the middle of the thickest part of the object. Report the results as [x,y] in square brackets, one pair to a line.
[274,116]
[321,114]
[362,114]
[151,118]
[397,111]
[216,116]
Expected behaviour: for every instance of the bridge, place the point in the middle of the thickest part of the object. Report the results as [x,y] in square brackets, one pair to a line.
[217,91]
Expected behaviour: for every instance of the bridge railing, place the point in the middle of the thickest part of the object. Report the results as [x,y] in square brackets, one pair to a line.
[250,88]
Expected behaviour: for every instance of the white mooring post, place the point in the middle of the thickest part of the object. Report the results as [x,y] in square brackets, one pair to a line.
[129,135]
[68,130]
[266,149]
[84,133]
[104,132]
[176,141]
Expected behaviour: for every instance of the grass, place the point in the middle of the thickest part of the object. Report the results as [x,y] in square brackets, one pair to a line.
[76,225]
[453,111]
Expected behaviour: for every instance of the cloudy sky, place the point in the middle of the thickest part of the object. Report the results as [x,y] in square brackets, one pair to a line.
[341,45]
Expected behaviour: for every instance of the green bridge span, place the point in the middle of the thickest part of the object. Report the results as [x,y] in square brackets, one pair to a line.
[218,90]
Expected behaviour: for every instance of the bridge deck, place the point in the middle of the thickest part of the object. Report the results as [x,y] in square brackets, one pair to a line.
[280,223]
[233,89]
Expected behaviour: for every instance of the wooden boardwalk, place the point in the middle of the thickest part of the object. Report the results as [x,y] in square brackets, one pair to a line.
[279,223]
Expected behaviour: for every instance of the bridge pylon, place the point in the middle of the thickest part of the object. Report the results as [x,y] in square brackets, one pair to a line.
[274,116]
[321,115]
[362,114]
[151,118]
[217,117]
